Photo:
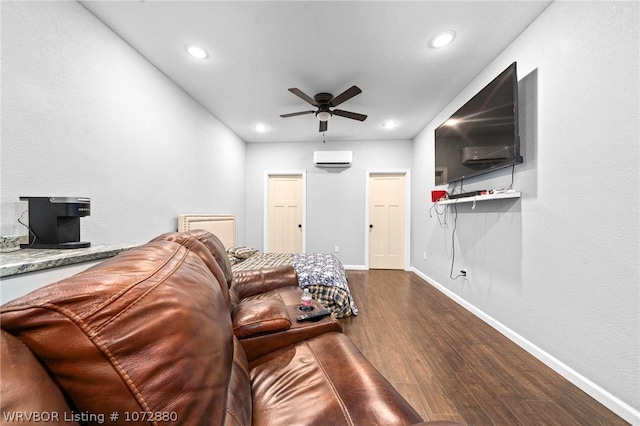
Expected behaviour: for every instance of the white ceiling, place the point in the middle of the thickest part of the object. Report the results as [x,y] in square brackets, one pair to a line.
[257,50]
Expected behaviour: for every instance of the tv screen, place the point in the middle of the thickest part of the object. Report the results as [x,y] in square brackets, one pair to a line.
[482,135]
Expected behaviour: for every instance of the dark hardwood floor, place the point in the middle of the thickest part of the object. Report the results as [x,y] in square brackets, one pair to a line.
[450,365]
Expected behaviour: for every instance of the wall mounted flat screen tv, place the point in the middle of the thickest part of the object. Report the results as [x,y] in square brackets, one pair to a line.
[482,136]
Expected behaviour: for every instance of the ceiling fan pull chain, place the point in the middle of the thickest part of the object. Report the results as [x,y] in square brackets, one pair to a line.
[323,141]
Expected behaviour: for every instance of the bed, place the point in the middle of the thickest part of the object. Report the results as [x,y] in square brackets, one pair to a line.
[323,274]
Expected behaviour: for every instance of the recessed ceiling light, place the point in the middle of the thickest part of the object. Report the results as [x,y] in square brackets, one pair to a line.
[260,127]
[390,124]
[442,39]
[196,51]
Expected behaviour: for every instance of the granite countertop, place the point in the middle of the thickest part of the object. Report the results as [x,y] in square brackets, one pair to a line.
[29,260]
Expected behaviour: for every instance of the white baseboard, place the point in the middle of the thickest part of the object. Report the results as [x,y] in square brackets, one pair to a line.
[621,408]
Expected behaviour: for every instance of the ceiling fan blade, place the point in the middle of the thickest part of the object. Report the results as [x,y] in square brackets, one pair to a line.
[293,114]
[299,93]
[344,96]
[323,126]
[349,114]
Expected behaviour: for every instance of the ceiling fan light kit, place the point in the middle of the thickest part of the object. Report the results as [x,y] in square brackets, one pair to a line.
[324,115]
[326,101]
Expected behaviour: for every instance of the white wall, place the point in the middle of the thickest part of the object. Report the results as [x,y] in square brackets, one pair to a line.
[83,114]
[336,200]
[558,269]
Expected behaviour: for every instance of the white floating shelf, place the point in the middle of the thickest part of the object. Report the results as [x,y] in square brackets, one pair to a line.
[485,197]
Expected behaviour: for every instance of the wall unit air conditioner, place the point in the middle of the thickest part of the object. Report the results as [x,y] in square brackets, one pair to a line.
[333,159]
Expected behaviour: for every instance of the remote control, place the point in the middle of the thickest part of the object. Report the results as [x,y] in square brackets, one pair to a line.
[314,315]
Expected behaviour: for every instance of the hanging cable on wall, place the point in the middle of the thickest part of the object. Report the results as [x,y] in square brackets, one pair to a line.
[443,219]
[513,170]
[453,243]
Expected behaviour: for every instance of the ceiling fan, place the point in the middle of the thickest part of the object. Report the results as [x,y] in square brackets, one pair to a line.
[326,101]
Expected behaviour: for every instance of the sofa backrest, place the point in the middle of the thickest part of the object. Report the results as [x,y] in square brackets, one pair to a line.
[210,249]
[256,281]
[147,331]
[216,247]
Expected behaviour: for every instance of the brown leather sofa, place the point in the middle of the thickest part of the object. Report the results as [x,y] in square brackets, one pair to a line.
[264,302]
[147,337]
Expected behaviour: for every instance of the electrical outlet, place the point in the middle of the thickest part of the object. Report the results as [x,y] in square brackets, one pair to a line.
[337,249]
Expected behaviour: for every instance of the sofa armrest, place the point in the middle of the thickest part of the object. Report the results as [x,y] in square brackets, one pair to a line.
[258,345]
[261,316]
[250,283]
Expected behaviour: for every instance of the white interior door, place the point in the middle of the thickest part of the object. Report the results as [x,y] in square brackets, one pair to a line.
[285,213]
[387,221]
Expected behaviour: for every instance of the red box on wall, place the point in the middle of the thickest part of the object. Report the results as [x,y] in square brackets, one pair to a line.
[437,194]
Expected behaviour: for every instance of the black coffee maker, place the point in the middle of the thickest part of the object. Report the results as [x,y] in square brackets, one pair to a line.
[54,222]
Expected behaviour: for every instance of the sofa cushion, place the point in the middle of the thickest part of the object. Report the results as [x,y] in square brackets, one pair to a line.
[260,316]
[27,393]
[324,380]
[145,331]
